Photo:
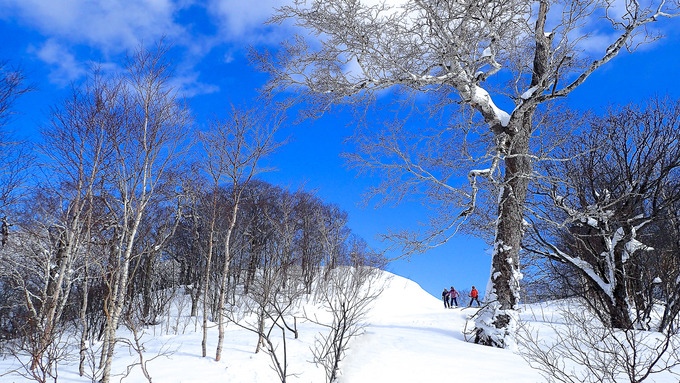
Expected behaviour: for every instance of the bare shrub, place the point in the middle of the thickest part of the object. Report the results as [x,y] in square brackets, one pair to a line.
[578,347]
[346,296]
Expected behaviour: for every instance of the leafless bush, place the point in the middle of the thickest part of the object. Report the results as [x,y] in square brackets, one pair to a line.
[580,348]
[269,310]
[346,296]
[136,346]
[40,363]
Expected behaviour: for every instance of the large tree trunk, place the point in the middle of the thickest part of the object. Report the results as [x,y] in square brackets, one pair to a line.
[495,319]
[494,326]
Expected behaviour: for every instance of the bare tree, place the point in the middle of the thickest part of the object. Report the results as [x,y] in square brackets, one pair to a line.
[455,50]
[332,223]
[602,211]
[284,221]
[234,148]
[580,348]
[269,311]
[156,229]
[12,86]
[188,244]
[308,244]
[74,150]
[14,159]
[147,142]
[215,167]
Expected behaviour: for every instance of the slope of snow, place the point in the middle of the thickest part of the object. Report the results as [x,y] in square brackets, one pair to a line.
[412,338]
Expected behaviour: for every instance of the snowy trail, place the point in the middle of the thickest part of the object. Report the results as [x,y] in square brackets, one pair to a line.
[412,338]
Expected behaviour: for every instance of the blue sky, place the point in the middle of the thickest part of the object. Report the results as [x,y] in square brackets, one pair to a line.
[55,42]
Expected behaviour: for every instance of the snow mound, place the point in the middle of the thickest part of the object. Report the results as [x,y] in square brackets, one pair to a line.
[411,337]
[401,297]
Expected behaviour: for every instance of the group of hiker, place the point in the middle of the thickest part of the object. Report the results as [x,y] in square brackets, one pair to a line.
[450,297]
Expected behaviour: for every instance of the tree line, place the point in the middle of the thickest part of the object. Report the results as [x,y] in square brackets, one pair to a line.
[129,203]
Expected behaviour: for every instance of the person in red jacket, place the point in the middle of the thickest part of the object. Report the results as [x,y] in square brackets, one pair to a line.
[474,296]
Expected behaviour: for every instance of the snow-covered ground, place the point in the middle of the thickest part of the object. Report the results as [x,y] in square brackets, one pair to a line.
[412,338]
[409,337]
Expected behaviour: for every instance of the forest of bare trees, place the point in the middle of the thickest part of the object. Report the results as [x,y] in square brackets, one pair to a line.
[129,208]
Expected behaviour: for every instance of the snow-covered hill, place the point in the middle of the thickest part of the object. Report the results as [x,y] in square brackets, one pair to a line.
[409,337]
[412,338]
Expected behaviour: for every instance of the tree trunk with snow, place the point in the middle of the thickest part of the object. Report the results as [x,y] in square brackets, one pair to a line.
[503,288]
[609,213]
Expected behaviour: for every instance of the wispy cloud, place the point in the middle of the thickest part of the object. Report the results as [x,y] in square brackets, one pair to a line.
[65,67]
[188,85]
[112,26]
[239,19]
[78,32]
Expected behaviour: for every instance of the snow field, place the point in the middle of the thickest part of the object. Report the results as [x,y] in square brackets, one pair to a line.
[412,338]
[409,337]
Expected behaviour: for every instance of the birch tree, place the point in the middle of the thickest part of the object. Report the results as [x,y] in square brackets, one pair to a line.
[458,51]
[147,140]
[75,147]
[234,148]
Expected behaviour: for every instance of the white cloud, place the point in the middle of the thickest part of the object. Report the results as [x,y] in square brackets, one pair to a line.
[65,67]
[243,20]
[110,25]
[239,18]
[187,85]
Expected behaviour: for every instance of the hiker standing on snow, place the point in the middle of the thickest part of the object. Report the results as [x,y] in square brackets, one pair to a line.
[474,296]
[445,297]
[453,294]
